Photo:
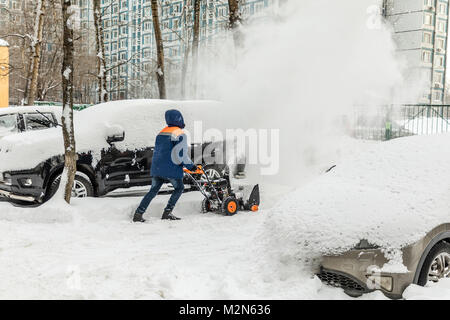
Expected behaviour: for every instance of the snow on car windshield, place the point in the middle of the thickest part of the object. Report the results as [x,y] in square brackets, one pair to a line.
[141,120]
[371,195]
[8,124]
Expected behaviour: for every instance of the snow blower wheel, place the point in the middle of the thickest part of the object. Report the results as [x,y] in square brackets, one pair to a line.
[230,206]
[206,206]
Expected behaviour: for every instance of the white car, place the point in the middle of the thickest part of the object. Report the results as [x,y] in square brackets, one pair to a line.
[21,119]
[379,220]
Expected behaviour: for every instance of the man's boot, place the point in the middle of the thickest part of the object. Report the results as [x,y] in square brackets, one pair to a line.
[138,217]
[167,215]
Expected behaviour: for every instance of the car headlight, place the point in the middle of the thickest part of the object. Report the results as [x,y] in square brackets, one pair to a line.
[26,182]
[5,178]
[365,245]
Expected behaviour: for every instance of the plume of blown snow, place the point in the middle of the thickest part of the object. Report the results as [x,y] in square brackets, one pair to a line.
[302,70]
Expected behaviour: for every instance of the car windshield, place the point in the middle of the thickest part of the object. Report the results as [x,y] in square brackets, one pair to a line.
[8,124]
[36,121]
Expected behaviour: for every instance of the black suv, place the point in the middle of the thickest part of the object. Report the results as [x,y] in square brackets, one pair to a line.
[115,169]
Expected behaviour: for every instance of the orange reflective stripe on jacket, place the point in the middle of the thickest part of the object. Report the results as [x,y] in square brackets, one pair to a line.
[172,131]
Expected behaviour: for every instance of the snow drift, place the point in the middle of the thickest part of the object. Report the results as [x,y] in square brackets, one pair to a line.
[391,195]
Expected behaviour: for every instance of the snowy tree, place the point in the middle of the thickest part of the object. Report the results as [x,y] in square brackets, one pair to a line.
[195,43]
[19,29]
[70,166]
[36,42]
[160,75]
[235,21]
[100,49]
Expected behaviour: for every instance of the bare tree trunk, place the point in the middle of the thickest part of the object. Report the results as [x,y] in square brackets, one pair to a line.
[100,48]
[195,45]
[184,70]
[36,51]
[235,21]
[70,166]
[160,76]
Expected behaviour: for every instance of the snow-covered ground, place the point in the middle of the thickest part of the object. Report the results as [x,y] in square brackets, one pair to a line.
[91,250]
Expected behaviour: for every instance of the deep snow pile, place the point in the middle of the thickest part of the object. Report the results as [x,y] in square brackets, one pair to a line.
[141,120]
[391,195]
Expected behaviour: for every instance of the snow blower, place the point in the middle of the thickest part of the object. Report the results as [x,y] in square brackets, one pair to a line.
[220,197]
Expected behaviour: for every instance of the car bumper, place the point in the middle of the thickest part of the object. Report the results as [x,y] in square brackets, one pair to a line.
[10,195]
[355,271]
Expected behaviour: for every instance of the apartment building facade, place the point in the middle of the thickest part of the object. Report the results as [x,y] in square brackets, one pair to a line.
[421,34]
[129,37]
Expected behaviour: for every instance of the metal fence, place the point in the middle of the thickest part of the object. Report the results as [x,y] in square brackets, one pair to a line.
[78,107]
[394,121]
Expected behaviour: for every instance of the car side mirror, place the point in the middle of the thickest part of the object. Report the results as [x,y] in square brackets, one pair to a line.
[116,138]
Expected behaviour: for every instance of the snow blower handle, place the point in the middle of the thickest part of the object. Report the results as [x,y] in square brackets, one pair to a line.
[199,170]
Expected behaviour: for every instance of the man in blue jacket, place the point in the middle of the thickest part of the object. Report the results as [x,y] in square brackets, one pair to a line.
[169,158]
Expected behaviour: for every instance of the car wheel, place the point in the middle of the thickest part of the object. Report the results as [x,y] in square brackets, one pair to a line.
[82,187]
[436,265]
[214,171]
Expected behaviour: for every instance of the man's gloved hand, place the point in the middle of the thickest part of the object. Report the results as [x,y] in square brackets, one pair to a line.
[199,169]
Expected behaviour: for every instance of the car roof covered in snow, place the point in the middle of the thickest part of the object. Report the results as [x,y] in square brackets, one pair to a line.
[391,195]
[141,120]
[30,109]
[3,43]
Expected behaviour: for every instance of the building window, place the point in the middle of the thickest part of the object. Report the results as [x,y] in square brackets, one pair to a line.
[437,96]
[426,56]
[441,26]
[438,77]
[440,61]
[428,19]
[177,8]
[440,43]
[427,37]
[442,9]
[428,3]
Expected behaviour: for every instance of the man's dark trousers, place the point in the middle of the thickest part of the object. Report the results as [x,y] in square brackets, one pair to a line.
[157,183]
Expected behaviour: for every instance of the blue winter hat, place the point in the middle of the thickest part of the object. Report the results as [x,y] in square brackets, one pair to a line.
[174,118]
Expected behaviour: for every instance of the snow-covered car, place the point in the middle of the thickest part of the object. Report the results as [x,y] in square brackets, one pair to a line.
[114,143]
[380,220]
[21,119]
